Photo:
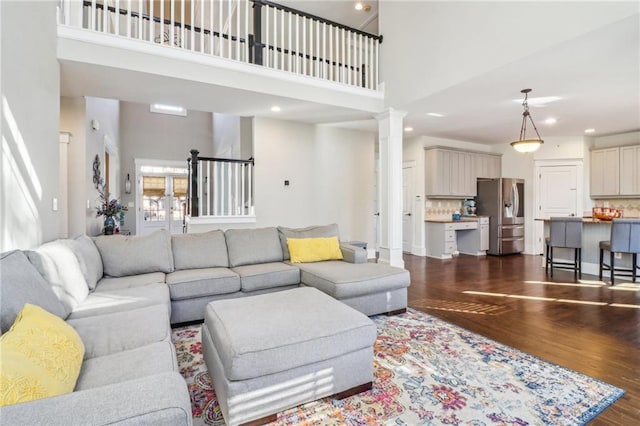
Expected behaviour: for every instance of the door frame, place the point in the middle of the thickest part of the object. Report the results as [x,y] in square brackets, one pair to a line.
[411,164]
[538,225]
[137,183]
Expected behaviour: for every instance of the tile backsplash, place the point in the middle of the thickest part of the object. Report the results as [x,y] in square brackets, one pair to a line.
[630,206]
[441,209]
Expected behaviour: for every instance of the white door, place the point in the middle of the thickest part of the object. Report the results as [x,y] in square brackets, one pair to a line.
[163,199]
[407,208]
[559,193]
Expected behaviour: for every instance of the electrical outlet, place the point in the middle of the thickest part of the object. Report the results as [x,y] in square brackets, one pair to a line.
[618,256]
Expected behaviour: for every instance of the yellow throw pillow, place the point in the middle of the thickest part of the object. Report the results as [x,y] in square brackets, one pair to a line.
[314,249]
[40,357]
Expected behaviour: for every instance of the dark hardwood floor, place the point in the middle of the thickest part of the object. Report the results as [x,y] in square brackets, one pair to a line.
[592,337]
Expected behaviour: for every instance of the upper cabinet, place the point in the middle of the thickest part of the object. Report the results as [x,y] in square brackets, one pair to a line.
[451,173]
[615,172]
[630,170]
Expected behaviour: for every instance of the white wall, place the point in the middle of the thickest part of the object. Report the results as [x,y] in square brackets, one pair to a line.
[30,116]
[106,112]
[480,33]
[148,135]
[330,173]
[630,138]
[73,120]
[232,136]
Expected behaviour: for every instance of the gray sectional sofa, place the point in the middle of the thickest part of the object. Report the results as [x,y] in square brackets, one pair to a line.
[121,294]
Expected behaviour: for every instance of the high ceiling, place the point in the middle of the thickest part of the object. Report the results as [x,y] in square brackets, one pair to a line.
[594,72]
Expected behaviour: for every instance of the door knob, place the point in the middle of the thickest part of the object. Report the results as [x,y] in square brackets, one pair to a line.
[407,214]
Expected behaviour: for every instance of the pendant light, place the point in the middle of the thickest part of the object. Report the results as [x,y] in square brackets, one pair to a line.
[523,144]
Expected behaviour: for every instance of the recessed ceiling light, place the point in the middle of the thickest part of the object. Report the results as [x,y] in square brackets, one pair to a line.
[589,130]
[539,101]
[275,108]
[435,114]
[408,129]
[550,121]
[168,109]
[359,6]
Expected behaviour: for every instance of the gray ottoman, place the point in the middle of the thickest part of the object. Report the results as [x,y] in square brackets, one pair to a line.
[275,351]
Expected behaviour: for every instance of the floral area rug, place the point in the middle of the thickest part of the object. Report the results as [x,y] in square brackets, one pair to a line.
[429,372]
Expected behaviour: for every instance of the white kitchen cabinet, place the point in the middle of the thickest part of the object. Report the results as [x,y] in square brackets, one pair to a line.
[475,243]
[488,166]
[629,170]
[443,237]
[605,172]
[452,173]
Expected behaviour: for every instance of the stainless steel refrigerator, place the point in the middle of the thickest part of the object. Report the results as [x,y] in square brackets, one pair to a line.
[503,201]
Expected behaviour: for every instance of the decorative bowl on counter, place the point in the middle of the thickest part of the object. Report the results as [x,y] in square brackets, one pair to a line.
[606,213]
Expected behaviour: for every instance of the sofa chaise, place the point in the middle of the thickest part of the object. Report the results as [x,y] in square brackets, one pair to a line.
[121,295]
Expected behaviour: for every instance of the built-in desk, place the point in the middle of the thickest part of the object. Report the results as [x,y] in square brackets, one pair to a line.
[446,238]
[593,231]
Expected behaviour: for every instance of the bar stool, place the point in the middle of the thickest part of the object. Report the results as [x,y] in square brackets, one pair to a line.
[565,232]
[625,238]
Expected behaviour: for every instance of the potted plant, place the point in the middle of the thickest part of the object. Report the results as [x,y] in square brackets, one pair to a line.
[112,210]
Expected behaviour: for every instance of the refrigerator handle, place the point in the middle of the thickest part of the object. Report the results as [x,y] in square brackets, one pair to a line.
[516,200]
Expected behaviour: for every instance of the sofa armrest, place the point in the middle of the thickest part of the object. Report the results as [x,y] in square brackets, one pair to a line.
[162,399]
[353,254]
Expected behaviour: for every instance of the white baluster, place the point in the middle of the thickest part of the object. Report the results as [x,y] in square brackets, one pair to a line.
[238,9]
[192,40]
[140,20]
[275,38]
[375,81]
[360,54]
[332,71]
[152,23]
[229,29]
[242,183]
[211,4]
[200,188]
[246,31]
[266,57]
[162,23]
[324,50]
[105,12]
[220,31]
[342,62]
[183,38]
[304,45]
[229,193]
[172,30]
[92,24]
[282,28]
[128,18]
[202,26]
[117,17]
[297,44]
[250,189]
[311,50]
[236,182]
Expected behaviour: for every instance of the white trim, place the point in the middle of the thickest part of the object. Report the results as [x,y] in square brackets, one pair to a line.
[205,220]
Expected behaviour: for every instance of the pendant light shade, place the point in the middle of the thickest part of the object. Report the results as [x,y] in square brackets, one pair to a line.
[523,144]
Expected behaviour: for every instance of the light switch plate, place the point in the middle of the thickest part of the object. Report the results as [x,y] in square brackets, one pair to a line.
[54,205]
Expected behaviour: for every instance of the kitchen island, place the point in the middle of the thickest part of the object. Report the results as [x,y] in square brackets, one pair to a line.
[594,231]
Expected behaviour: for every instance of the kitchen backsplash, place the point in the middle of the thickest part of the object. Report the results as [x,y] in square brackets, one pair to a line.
[629,207]
[441,209]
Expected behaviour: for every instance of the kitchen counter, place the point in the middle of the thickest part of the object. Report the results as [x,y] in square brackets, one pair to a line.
[585,219]
[462,219]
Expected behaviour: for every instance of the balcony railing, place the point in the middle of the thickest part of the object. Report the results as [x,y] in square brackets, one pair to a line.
[251,31]
[219,187]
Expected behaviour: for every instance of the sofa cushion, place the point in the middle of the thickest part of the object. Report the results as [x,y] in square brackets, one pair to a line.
[137,254]
[41,357]
[203,250]
[316,231]
[343,280]
[89,258]
[304,250]
[133,364]
[202,282]
[58,265]
[267,275]
[142,280]
[260,335]
[117,332]
[122,300]
[21,283]
[251,246]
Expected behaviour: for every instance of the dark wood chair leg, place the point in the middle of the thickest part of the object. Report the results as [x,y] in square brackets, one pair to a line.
[600,268]
[633,266]
[551,259]
[580,263]
[612,267]
[546,258]
[575,262]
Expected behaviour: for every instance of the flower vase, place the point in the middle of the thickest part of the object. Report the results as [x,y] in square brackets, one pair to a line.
[109,225]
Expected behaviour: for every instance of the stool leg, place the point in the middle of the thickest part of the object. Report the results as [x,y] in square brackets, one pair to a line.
[612,257]
[600,268]
[633,266]
[551,260]
[575,262]
[580,263]
[546,258]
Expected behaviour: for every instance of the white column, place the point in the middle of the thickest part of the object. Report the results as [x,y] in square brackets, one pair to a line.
[390,186]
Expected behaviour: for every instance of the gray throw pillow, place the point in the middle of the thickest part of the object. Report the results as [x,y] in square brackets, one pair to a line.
[137,254]
[318,231]
[252,246]
[89,258]
[21,283]
[201,250]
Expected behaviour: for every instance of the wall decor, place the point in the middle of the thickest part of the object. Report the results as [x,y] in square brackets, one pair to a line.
[97,174]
